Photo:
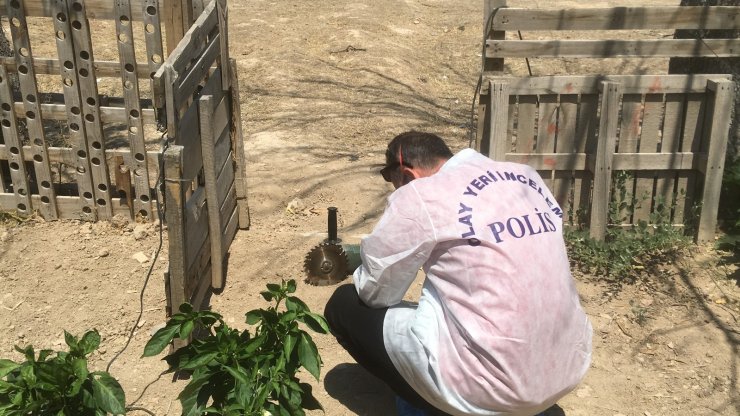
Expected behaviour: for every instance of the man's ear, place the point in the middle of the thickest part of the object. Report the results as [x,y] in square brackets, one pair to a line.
[411,173]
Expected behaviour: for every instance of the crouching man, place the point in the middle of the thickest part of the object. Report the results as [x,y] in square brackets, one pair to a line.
[498,329]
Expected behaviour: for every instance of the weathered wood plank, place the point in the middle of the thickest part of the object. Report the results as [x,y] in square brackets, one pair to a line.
[222,150]
[199,71]
[174,215]
[490,8]
[689,48]
[18,172]
[619,18]
[207,107]
[194,41]
[154,48]
[32,111]
[620,161]
[106,114]
[51,66]
[173,23]
[196,224]
[126,50]
[687,182]
[716,133]
[96,9]
[237,143]
[189,137]
[666,181]
[547,127]
[608,124]
[124,188]
[75,120]
[223,24]
[68,206]
[585,141]
[629,142]
[86,79]
[229,232]
[649,142]
[224,181]
[67,155]
[498,141]
[526,123]
[589,84]
[562,185]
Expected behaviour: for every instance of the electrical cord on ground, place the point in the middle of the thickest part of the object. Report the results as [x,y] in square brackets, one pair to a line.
[160,179]
[489,20]
[141,409]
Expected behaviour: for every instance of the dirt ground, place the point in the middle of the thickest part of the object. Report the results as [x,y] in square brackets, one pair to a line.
[324,86]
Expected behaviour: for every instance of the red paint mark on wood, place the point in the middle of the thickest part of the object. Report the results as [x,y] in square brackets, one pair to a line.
[548,161]
[656,85]
[569,87]
[552,128]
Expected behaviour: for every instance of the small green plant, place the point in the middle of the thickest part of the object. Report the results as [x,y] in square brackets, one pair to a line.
[640,313]
[59,383]
[238,373]
[627,253]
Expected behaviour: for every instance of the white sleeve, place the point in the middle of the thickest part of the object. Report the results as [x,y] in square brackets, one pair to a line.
[398,246]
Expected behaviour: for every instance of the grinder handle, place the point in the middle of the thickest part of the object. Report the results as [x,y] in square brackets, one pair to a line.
[353,257]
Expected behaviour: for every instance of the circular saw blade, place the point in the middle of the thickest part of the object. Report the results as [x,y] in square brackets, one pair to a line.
[326,264]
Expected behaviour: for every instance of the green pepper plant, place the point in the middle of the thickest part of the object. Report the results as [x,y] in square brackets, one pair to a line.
[59,383]
[236,372]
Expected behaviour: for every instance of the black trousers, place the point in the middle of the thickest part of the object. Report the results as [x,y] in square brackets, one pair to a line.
[359,329]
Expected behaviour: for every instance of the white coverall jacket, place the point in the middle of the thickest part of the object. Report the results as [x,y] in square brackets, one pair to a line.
[499,329]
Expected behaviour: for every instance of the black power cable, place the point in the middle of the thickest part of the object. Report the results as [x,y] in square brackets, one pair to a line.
[160,212]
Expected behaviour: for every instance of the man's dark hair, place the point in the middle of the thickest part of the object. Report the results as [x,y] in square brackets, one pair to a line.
[420,149]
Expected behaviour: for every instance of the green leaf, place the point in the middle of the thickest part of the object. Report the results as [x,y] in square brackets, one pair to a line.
[79,367]
[309,355]
[273,288]
[161,339]
[27,352]
[108,393]
[290,286]
[316,322]
[71,341]
[287,317]
[191,406]
[292,303]
[268,296]
[254,316]
[28,375]
[89,342]
[44,354]
[186,329]
[6,366]
[289,343]
[186,308]
[198,360]
[238,374]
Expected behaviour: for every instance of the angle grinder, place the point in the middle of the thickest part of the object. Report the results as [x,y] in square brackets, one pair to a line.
[331,261]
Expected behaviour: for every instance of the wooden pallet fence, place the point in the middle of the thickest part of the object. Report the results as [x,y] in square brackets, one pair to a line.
[669,132]
[650,19]
[71,165]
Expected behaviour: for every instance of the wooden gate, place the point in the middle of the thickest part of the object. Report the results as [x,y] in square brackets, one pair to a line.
[205,189]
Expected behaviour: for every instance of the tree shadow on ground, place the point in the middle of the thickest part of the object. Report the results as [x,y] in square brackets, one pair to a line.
[361,392]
